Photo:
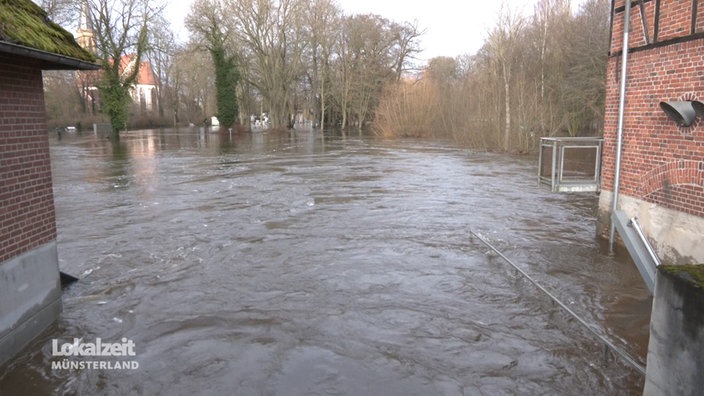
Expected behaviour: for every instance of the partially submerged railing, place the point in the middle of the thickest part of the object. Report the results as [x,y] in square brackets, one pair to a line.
[608,345]
[570,164]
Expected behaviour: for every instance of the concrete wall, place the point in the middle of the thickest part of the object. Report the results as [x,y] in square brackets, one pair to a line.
[662,169]
[30,298]
[676,347]
[676,236]
[29,275]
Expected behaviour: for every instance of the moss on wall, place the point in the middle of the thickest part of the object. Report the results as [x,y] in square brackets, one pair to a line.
[693,274]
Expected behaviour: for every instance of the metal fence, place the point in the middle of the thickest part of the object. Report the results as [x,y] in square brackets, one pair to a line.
[570,164]
[103,129]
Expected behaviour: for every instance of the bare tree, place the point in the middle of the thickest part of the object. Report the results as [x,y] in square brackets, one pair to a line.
[62,87]
[323,25]
[62,98]
[364,64]
[443,70]
[548,31]
[194,82]
[533,77]
[160,53]
[121,28]
[272,38]
[207,22]
[300,56]
[502,45]
[586,55]
[405,45]
[62,12]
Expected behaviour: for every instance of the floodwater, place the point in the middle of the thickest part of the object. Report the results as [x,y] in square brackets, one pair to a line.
[301,264]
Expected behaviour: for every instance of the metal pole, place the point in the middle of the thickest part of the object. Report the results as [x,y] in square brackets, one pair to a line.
[554,165]
[621,111]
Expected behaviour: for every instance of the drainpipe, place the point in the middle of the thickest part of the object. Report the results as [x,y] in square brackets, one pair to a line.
[621,110]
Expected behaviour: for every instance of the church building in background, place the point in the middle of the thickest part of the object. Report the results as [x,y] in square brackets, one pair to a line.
[143,92]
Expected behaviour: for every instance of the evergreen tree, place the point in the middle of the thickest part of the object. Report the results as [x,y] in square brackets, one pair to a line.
[226,78]
[207,24]
[115,102]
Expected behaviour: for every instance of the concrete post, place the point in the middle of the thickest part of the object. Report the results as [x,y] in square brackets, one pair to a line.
[676,347]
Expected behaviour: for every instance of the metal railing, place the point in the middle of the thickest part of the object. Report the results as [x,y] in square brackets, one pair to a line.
[648,247]
[570,164]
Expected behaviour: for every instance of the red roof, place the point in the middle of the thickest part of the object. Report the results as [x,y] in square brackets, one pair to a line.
[146,75]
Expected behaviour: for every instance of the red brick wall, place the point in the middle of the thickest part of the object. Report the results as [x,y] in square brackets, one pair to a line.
[675,19]
[661,162]
[27,217]
[638,34]
[664,19]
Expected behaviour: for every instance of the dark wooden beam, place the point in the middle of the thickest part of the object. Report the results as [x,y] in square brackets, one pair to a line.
[623,7]
[644,19]
[676,40]
[611,25]
[694,16]
[656,27]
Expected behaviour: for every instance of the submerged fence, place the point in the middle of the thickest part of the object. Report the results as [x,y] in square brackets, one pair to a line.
[570,164]
[608,345]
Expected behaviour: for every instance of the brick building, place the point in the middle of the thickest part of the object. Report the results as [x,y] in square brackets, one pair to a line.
[662,167]
[30,296]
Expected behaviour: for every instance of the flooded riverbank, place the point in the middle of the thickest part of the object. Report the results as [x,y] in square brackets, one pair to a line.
[292,263]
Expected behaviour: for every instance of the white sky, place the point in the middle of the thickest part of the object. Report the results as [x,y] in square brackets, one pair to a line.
[452,27]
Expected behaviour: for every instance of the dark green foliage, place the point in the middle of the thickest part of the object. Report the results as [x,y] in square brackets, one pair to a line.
[226,78]
[116,101]
[209,23]
[119,74]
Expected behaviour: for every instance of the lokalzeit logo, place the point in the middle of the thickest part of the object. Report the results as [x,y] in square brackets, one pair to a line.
[98,348]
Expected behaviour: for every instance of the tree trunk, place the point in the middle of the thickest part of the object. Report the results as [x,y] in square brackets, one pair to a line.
[322,102]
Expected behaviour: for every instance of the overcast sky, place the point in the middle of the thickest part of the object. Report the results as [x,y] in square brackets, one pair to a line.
[451,27]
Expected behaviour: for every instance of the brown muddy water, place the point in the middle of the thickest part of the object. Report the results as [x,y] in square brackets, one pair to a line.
[302,264]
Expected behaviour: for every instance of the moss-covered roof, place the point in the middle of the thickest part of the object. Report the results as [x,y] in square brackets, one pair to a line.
[25,24]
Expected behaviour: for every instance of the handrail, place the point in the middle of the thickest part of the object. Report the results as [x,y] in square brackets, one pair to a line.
[607,343]
[636,226]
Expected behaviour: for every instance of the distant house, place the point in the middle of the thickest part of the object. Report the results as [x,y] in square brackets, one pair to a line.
[144,91]
[30,293]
